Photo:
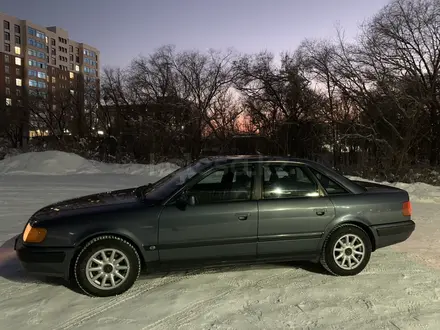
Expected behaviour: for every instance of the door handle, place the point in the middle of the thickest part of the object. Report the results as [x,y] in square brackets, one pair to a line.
[320,212]
[242,216]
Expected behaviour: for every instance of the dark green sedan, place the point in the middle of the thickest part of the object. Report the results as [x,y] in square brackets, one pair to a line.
[216,211]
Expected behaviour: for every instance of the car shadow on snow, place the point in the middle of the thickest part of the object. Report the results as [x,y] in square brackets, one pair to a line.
[11,269]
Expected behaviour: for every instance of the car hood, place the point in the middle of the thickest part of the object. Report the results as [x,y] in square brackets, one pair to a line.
[100,201]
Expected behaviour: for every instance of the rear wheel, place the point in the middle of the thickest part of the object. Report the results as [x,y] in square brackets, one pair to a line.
[107,266]
[346,251]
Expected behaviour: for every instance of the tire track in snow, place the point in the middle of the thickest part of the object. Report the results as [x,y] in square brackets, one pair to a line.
[186,314]
[136,291]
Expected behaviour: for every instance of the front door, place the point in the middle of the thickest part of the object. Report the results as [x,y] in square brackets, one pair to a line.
[221,225]
[293,213]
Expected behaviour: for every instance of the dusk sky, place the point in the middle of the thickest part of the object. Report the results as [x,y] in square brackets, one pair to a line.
[124,29]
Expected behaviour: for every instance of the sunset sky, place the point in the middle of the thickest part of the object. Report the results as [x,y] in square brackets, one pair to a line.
[124,29]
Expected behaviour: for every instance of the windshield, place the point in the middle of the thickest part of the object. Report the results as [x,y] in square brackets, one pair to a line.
[167,185]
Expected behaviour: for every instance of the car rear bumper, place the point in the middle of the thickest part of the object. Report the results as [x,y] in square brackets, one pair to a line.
[393,233]
[43,260]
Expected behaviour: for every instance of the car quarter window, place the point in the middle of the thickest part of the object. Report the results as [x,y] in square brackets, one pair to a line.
[226,184]
[329,185]
[285,180]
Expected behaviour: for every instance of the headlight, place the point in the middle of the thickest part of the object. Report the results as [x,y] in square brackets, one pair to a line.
[33,234]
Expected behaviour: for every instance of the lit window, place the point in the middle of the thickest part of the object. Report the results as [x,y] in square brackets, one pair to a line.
[76,67]
[8,101]
[33,83]
[17,50]
[18,61]
[54,80]
[18,82]
[41,75]
[72,75]
[72,92]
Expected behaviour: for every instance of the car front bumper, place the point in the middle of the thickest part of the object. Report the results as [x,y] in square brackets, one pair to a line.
[393,233]
[44,261]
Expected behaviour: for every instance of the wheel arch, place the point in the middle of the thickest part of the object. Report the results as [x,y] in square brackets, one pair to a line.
[355,222]
[90,236]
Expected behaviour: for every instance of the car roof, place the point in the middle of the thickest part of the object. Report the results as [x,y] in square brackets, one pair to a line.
[262,158]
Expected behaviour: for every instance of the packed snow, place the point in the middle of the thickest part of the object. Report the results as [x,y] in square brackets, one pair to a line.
[400,289]
[62,163]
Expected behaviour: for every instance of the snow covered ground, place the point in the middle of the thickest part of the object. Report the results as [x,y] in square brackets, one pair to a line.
[400,289]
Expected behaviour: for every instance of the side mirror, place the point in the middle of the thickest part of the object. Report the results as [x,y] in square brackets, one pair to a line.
[185,200]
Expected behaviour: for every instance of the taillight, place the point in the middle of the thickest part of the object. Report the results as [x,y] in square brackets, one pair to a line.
[407,209]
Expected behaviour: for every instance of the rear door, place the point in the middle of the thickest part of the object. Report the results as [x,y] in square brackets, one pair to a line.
[293,211]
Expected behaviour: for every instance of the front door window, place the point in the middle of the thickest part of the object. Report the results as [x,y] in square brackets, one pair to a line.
[227,184]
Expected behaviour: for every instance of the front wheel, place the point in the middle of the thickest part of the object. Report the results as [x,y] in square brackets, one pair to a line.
[107,266]
[346,251]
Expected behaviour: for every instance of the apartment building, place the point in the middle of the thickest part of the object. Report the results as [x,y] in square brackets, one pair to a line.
[43,61]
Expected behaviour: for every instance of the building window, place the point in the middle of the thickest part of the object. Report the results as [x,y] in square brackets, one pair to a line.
[52,42]
[54,60]
[41,75]
[72,92]
[18,61]
[6,58]
[8,102]
[41,84]
[17,50]
[18,92]
[17,40]
[6,68]
[41,35]
[7,36]
[18,82]
[54,80]
[18,72]
[33,83]
[54,89]
[77,68]
[6,25]
[72,75]
[7,47]
[7,80]
[8,91]
[32,73]
[19,103]
[71,49]
[17,28]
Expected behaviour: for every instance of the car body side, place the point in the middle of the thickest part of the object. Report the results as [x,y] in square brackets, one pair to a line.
[152,226]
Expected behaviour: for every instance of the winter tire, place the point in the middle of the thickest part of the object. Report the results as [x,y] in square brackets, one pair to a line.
[346,251]
[107,266]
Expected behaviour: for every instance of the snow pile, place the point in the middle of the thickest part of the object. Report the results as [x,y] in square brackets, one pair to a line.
[62,163]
